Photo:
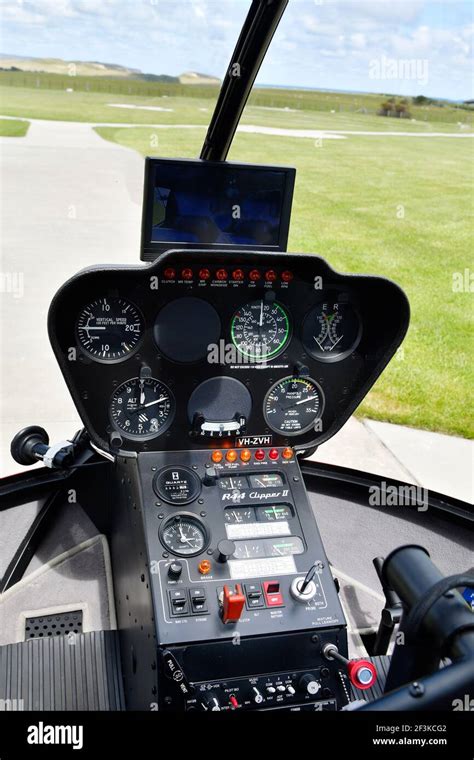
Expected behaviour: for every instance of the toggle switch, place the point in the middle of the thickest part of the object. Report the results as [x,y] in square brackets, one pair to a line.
[233,603]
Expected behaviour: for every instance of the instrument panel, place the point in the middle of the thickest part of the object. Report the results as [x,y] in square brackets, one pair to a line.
[222,349]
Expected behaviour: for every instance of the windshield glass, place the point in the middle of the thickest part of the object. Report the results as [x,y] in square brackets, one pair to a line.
[372,103]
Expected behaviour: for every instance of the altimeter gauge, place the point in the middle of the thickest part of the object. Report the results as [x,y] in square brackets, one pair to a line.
[142,408]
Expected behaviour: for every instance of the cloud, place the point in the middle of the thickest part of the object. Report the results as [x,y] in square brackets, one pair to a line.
[320,44]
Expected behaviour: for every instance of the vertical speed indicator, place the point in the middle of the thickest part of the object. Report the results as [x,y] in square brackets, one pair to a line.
[109,329]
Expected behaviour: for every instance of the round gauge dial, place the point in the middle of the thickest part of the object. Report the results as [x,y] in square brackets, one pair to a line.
[331,330]
[177,485]
[184,535]
[293,405]
[261,329]
[142,408]
[109,329]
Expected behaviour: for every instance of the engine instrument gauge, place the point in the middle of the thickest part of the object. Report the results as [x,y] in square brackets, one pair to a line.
[239,515]
[274,513]
[293,405]
[249,550]
[232,483]
[331,330]
[142,408]
[184,535]
[283,547]
[109,329]
[260,330]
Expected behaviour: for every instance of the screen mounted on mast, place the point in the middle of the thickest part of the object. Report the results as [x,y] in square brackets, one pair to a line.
[204,204]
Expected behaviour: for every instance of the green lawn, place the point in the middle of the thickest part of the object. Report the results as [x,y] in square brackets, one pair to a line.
[95,107]
[13,127]
[348,200]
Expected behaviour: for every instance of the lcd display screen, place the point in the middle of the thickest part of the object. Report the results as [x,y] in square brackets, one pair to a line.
[201,204]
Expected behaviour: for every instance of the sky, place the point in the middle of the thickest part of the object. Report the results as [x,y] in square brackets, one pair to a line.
[408,47]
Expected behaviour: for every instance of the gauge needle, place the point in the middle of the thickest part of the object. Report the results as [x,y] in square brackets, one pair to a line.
[95,328]
[319,344]
[142,393]
[150,403]
[335,344]
[305,400]
[296,403]
[183,538]
[157,401]
[261,314]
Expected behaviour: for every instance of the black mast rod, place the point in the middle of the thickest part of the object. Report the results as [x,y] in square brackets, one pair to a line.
[257,32]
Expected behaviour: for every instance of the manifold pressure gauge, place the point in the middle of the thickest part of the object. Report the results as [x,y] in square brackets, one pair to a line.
[293,405]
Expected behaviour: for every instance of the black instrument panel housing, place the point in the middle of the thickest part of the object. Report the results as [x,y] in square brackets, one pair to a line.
[381,305]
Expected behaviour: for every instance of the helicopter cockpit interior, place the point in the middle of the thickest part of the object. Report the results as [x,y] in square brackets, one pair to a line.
[214,567]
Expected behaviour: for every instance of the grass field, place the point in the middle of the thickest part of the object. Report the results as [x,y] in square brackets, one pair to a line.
[341,112]
[13,127]
[395,206]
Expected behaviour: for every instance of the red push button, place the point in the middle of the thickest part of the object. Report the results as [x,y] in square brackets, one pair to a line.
[273,595]
[233,604]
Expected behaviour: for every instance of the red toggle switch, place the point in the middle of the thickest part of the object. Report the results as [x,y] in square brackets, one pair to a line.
[362,673]
[233,604]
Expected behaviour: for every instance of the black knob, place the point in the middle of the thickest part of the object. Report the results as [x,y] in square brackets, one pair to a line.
[175,570]
[309,684]
[210,478]
[29,445]
[226,549]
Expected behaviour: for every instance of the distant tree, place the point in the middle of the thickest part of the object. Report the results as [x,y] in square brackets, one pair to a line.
[397,110]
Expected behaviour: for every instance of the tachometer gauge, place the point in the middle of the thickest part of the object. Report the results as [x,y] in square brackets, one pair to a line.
[109,329]
[184,535]
[142,408]
[293,405]
[260,330]
[331,330]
